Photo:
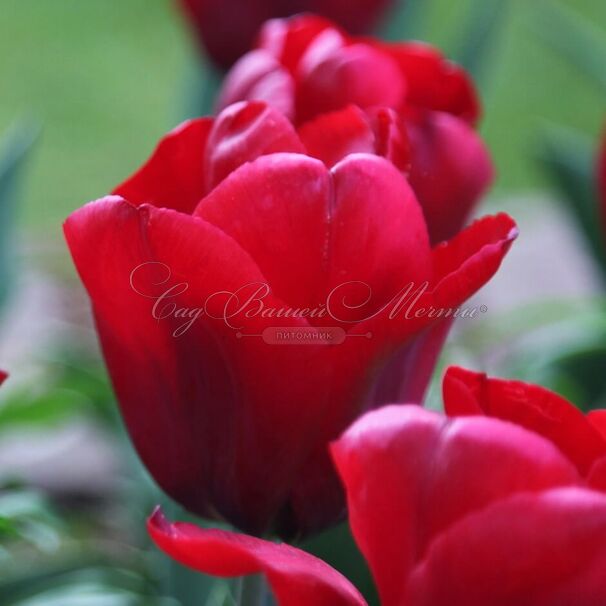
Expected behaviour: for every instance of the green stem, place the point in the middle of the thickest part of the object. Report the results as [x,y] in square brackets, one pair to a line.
[253,591]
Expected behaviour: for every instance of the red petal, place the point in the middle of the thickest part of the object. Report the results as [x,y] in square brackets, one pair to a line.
[332,76]
[391,137]
[203,407]
[530,550]
[3,376]
[433,82]
[450,171]
[531,406]
[288,39]
[173,177]
[244,131]
[409,474]
[598,420]
[407,372]
[310,236]
[332,136]
[258,76]
[597,475]
[296,578]
[465,263]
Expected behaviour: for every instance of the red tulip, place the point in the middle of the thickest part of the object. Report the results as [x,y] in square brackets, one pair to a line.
[582,438]
[466,512]
[226,29]
[229,423]
[307,67]
[3,376]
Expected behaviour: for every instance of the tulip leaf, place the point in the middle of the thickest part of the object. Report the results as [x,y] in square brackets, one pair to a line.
[47,408]
[567,356]
[338,548]
[26,515]
[480,34]
[408,20]
[569,160]
[573,37]
[13,153]
[80,583]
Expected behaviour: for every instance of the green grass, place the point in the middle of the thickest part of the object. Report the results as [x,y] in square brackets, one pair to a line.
[106,78]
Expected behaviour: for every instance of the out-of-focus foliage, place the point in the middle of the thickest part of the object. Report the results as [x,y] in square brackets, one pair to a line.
[97,72]
[569,159]
[14,147]
[76,384]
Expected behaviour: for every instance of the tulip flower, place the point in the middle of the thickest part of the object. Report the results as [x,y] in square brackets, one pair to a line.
[307,67]
[468,511]
[226,29]
[582,438]
[3,376]
[250,305]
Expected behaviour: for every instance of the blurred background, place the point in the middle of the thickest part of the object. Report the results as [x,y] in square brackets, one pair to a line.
[87,90]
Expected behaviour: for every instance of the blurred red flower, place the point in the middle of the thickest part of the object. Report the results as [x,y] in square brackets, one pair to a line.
[467,511]
[308,67]
[226,29]
[229,424]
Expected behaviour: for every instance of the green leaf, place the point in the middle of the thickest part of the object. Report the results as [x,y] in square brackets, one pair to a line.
[480,35]
[569,160]
[14,149]
[573,37]
[25,515]
[408,20]
[567,356]
[88,587]
[337,547]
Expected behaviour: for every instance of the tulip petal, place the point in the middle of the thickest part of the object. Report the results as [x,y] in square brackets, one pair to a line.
[461,267]
[596,478]
[258,76]
[433,82]
[450,171]
[598,420]
[529,550]
[3,376]
[204,386]
[313,233]
[332,136]
[241,133]
[196,156]
[406,375]
[531,406]
[465,263]
[173,177]
[332,76]
[288,39]
[296,578]
[410,473]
